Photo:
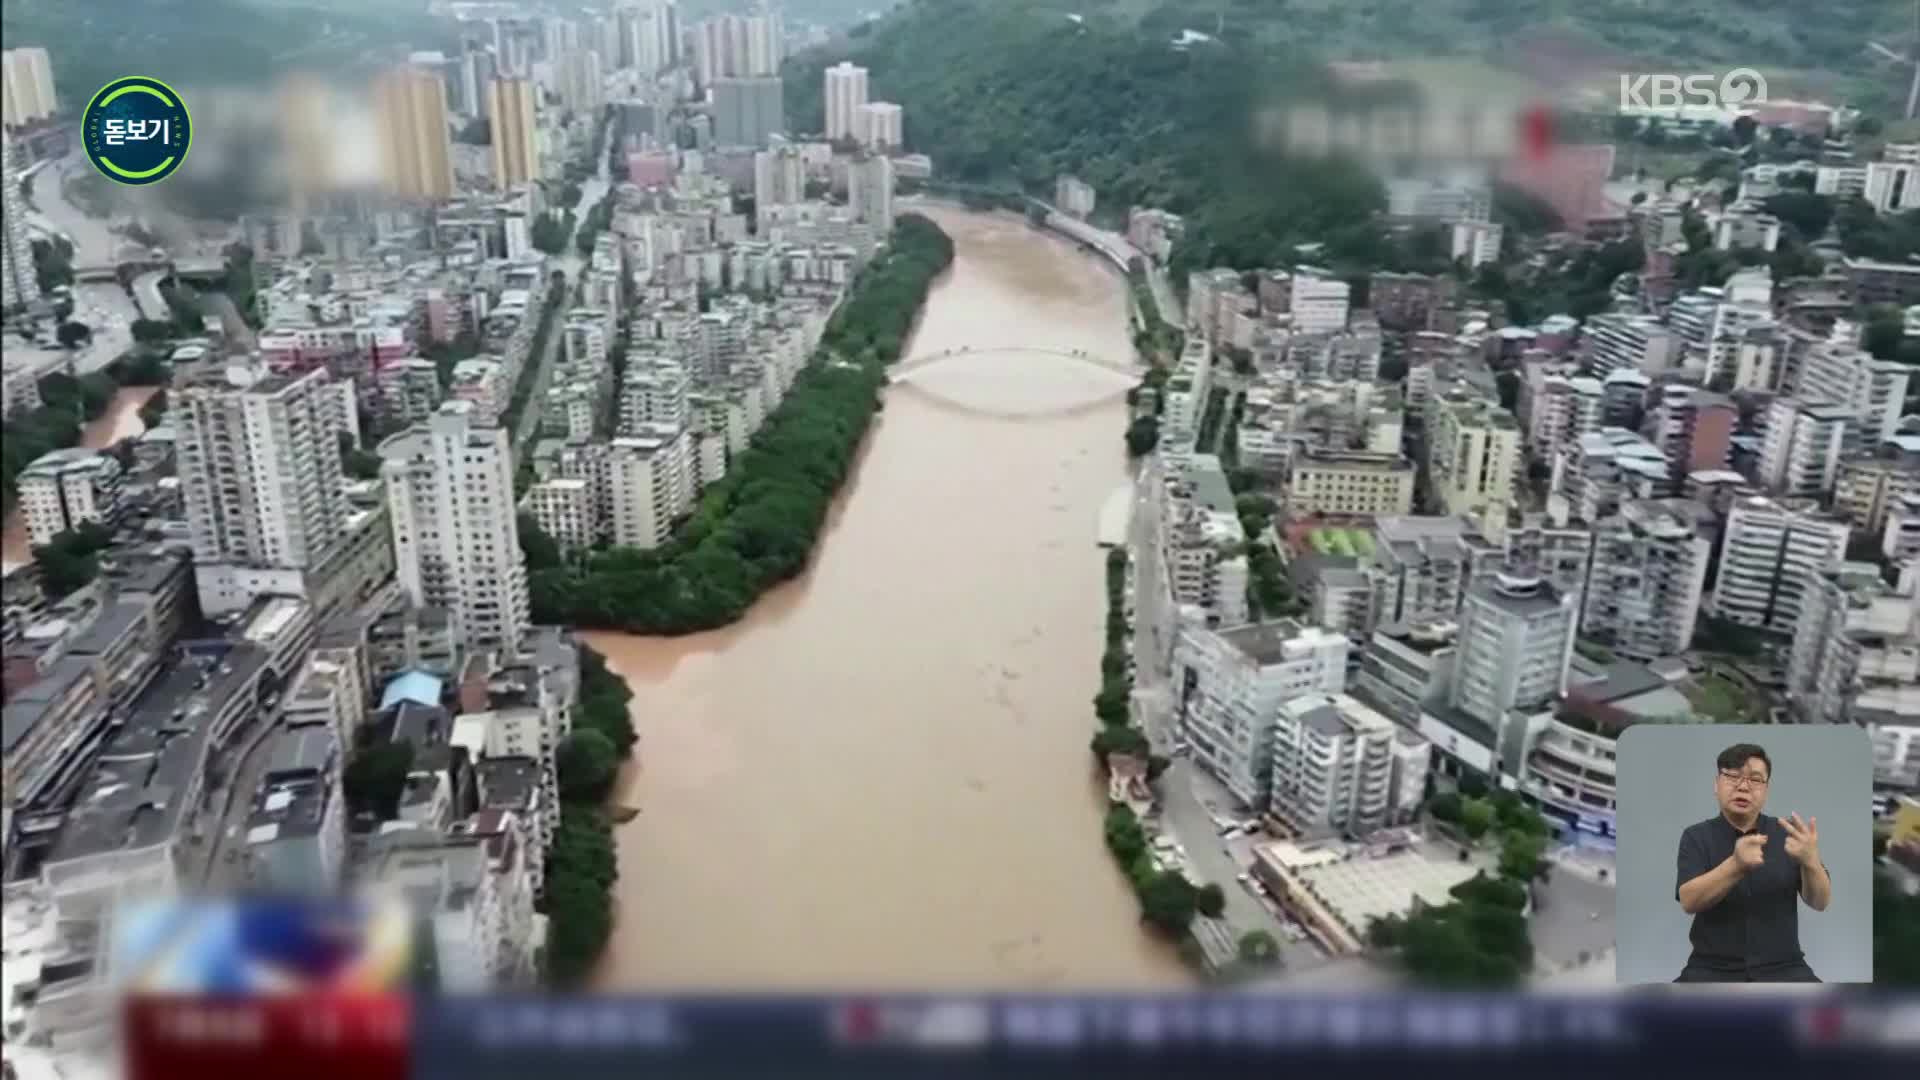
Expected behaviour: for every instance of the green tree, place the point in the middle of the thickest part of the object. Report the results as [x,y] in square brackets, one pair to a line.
[1385,931]
[1520,856]
[1143,435]
[1168,901]
[1117,739]
[1445,806]
[1125,838]
[540,550]
[1476,817]
[70,560]
[1210,900]
[72,335]
[587,763]
[1259,947]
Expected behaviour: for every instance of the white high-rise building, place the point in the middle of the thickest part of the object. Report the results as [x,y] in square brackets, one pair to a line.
[653,391]
[1333,762]
[1649,571]
[19,285]
[456,542]
[1516,640]
[1804,445]
[65,489]
[649,35]
[738,47]
[779,178]
[879,126]
[846,92]
[586,339]
[1233,681]
[870,192]
[26,86]
[567,509]
[1319,302]
[1873,391]
[582,85]
[647,477]
[259,469]
[1770,554]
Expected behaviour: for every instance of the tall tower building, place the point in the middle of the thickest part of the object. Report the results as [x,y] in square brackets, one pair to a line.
[26,86]
[846,92]
[738,47]
[456,543]
[410,105]
[516,154]
[779,178]
[878,126]
[870,192]
[259,468]
[1771,553]
[582,86]
[1516,639]
[18,283]
[747,111]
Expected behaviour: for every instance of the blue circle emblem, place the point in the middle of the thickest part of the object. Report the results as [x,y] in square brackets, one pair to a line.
[136,130]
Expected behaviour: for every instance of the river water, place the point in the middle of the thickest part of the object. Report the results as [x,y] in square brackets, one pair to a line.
[120,421]
[880,778]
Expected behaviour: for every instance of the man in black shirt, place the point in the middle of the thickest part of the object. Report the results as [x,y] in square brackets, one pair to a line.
[1740,874]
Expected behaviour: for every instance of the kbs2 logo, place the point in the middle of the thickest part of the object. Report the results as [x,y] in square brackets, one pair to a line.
[1670,90]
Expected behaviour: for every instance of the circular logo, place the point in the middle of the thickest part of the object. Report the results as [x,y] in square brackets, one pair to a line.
[1742,85]
[136,130]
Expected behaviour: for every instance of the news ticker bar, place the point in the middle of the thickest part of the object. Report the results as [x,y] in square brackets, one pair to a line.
[392,1037]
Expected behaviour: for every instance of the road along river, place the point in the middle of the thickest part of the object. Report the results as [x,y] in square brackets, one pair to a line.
[880,778]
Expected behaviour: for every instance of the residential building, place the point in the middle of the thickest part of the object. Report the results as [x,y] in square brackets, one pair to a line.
[648,478]
[1892,185]
[1204,543]
[513,132]
[297,834]
[1770,553]
[567,510]
[1804,445]
[1421,567]
[472,895]
[1641,343]
[1873,392]
[1560,407]
[846,92]
[1402,669]
[410,110]
[582,82]
[1649,572]
[1597,472]
[1473,455]
[1516,639]
[260,474]
[738,46]
[748,110]
[1694,428]
[779,178]
[870,192]
[1900,540]
[879,126]
[65,489]
[1073,196]
[1230,684]
[1866,488]
[1333,760]
[456,543]
[26,86]
[1746,226]
[1318,301]
[1857,637]
[19,279]
[1349,483]
[1570,765]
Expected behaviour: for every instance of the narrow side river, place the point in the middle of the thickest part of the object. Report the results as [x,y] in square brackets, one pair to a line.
[881,778]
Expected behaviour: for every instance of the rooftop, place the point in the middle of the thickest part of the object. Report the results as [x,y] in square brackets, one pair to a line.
[508,783]
[416,686]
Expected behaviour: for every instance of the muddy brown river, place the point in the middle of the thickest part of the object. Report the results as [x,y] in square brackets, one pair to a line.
[880,778]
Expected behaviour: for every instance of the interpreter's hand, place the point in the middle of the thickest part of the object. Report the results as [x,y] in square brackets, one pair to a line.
[1803,840]
[1750,850]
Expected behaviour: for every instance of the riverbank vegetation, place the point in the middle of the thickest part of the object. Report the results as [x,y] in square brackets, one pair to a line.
[581,869]
[67,405]
[757,527]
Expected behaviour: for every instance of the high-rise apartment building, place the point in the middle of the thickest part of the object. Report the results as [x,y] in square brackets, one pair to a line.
[1473,455]
[259,468]
[880,127]
[19,284]
[26,86]
[846,92]
[648,33]
[515,134]
[1770,554]
[738,46]
[1636,342]
[65,489]
[456,543]
[870,192]
[1649,571]
[1230,684]
[1516,639]
[1332,765]
[1858,638]
[410,107]
[1421,567]
[1804,445]
[748,110]
[1873,391]
[582,83]
[648,484]
[779,178]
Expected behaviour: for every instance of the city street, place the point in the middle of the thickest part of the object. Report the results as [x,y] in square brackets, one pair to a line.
[1185,794]
[572,263]
[1573,913]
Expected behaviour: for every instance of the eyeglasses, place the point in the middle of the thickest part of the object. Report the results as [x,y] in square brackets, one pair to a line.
[1740,780]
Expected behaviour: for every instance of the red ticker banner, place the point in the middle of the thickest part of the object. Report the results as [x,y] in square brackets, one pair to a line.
[292,1037]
